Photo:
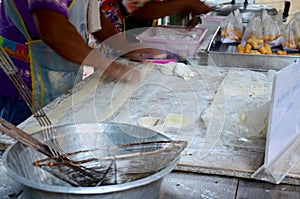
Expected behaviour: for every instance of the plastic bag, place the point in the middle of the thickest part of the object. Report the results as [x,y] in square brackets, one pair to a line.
[252,41]
[272,33]
[292,34]
[232,28]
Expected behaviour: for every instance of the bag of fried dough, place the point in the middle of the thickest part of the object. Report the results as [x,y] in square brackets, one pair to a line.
[232,28]
[252,41]
[272,32]
[292,34]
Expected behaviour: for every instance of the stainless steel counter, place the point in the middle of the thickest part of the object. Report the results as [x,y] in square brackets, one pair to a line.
[81,104]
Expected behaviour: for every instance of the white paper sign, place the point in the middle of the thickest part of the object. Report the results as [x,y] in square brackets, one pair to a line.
[284,117]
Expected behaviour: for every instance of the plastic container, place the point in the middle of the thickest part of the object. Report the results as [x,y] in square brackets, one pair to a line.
[208,19]
[184,43]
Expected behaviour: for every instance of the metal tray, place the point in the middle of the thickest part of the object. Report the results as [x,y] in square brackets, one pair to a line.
[247,10]
[226,55]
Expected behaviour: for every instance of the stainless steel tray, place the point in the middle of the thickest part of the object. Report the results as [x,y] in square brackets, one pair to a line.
[226,55]
[247,10]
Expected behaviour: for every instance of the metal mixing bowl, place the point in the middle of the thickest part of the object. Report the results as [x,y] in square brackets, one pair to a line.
[37,183]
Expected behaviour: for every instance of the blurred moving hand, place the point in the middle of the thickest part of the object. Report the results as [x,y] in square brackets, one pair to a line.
[118,71]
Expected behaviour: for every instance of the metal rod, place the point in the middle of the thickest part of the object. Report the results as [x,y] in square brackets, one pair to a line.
[21,136]
[47,128]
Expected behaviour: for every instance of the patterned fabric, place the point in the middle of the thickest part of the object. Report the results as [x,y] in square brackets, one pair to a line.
[119,13]
[15,35]
[14,41]
[15,50]
[51,74]
[111,11]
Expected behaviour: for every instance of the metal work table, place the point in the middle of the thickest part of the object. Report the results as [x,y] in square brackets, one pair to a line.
[203,181]
[177,184]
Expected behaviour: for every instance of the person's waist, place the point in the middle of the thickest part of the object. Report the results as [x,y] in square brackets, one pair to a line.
[15,49]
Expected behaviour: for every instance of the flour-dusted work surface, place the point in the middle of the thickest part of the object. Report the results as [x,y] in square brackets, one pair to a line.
[211,150]
[181,185]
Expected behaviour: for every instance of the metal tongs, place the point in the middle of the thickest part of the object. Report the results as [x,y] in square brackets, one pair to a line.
[48,131]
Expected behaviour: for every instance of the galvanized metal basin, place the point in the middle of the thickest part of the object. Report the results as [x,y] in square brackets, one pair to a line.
[17,161]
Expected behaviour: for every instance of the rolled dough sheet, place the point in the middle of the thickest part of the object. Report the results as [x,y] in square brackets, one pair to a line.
[176,120]
[246,94]
[123,92]
[154,123]
[177,69]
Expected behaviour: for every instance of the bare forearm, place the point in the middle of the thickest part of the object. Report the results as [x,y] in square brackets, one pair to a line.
[62,37]
[108,34]
[57,32]
[154,10]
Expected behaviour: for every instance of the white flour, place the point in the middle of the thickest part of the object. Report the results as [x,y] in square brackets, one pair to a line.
[245,97]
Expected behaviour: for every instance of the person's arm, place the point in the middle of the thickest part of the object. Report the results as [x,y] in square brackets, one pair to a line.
[59,34]
[154,10]
[107,29]
[110,36]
